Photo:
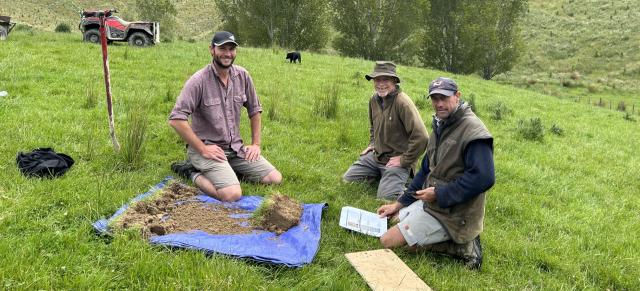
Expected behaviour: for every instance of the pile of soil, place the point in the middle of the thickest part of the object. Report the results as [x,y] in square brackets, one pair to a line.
[278,213]
[176,209]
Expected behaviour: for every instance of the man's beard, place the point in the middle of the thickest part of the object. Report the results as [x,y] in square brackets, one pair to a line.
[220,64]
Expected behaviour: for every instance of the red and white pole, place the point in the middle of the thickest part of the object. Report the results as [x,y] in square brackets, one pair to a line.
[107,79]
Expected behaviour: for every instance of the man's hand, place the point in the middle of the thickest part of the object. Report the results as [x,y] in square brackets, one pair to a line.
[214,152]
[394,162]
[366,151]
[428,195]
[389,209]
[252,152]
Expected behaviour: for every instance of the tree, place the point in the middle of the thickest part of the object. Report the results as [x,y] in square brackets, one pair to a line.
[377,29]
[296,24]
[505,37]
[162,11]
[468,36]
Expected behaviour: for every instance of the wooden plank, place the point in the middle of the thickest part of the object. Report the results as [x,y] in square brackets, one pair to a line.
[384,270]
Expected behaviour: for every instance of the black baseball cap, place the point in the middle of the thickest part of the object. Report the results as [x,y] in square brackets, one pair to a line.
[444,86]
[222,37]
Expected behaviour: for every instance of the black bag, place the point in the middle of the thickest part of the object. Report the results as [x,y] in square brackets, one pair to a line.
[43,162]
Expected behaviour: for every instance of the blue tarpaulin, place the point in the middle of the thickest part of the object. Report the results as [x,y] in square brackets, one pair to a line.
[294,248]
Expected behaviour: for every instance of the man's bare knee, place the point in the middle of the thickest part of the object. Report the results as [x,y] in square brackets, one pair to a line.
[386,242]
[205,186]
[230,193]
[274,177]
[393,238]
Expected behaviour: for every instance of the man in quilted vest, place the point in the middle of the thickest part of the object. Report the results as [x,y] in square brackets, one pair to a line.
[443,209]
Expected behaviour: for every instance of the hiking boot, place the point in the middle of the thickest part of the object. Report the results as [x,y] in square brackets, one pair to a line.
[183,168]
[473,254]
[470,253]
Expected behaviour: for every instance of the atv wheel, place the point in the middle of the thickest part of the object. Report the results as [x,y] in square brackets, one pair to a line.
[92,36]
[139,39]
[3,33]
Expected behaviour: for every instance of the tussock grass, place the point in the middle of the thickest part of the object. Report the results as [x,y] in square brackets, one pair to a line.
[326,104]
[135,135]
[91,97]
[498,110]
[531,129]
[562,215]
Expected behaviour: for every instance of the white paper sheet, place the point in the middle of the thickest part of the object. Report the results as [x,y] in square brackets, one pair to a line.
[363,221]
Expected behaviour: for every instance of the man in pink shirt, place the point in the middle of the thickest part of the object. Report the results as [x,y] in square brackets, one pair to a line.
[213,98]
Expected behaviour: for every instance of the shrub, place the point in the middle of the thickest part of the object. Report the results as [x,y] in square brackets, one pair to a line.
[327,104]
[592,88]
[557,130]
[568,83]
[531,129]
[63,27]
[575,75]
[627,116]
[498,110]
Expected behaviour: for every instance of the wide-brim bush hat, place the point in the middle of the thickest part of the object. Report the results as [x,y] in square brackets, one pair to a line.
[383,68]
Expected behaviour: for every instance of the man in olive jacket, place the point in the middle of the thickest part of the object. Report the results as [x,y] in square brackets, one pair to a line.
[443,209]
[397,135]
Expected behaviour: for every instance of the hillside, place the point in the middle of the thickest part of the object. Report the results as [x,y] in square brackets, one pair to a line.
[596,41]
[195,19]
[563,214]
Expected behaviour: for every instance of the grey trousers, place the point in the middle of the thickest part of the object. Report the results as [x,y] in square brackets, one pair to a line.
[392,180]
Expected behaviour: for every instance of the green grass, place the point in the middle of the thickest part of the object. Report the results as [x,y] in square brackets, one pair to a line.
[563,214]
[589,39]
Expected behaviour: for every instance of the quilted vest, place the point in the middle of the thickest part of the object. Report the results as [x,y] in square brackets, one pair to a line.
[464,221]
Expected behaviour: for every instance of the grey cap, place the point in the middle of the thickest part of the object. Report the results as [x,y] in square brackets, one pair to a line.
[383,68]
[222,37]
[444,86]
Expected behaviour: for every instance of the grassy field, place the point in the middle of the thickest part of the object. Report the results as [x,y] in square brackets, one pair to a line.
[563,214]
[582,49]
[585,51]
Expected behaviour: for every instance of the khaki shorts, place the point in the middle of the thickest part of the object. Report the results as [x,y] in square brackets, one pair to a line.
[419,227]
[223,174]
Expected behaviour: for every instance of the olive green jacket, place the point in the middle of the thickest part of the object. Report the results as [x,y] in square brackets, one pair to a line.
[396,129]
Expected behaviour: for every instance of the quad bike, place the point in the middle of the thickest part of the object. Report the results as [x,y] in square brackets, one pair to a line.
[5,26]
[137,33]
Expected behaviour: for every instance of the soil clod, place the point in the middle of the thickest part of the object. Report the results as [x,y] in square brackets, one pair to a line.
[278,213]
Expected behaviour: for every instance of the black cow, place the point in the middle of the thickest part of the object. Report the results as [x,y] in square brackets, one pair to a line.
[294,57]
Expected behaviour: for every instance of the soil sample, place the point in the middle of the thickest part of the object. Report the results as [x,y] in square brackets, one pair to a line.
[277,213]
[177,210]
